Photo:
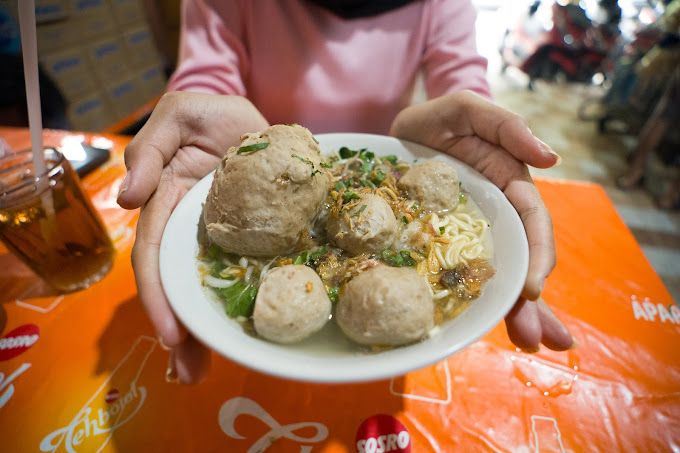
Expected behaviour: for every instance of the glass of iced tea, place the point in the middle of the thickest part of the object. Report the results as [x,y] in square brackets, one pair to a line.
[49,223]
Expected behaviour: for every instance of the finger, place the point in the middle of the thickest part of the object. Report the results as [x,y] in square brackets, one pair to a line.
[554,334]
[524,196]
[523,325]
[192,361]
[145,256]
[501,127]
[147,154]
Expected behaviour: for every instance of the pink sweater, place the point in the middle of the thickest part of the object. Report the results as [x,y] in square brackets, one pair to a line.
[299,63]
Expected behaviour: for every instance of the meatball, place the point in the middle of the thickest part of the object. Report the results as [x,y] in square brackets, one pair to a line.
[263,202]
[434,184]
[291,304]
[369,226]
[386,306]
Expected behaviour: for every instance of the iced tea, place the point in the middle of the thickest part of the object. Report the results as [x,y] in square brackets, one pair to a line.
[50,224]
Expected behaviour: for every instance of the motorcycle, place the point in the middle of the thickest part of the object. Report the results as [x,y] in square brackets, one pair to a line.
[559,41]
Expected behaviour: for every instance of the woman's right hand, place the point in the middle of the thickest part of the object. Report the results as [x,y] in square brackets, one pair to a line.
[183,140]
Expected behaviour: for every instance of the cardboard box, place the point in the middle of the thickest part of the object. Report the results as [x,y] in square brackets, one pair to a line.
[57,35]
[127,11]
[141,49]
[90,18]
[71,72]
[49,10]
[152,81]
[90,113]
[107,58]
[124,96]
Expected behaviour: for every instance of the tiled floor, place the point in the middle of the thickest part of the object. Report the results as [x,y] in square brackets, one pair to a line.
[587,155]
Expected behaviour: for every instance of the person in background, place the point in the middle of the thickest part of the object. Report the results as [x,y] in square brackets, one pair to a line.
[330,65]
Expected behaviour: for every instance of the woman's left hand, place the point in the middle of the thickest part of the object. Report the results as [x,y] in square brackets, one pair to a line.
[498,144]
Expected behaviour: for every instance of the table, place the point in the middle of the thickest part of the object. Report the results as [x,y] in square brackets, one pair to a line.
[84,372]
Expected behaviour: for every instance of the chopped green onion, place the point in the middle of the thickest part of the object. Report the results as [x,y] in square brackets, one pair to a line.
[391,159]
[333,294]
[366,155]
[378,177]
[408,259]
[368,183]
[340,186]
[346,153]
[366,167]
[249,149]
[441,230]
[326,165]
[462,198]
[349,195]
[404,220]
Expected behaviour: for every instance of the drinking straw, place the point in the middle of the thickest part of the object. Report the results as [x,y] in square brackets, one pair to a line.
[29,50]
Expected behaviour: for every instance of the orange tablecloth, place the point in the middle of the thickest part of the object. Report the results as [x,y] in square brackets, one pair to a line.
[84,372]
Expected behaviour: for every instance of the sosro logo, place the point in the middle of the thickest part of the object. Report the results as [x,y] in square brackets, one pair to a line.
[18,341]
[382,433]
[108,409]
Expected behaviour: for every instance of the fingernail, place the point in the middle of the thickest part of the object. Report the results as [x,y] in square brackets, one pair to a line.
[531,350]
[124,185]
[171,372]
[548,150]
[558,158]
[163,345]
[575,344]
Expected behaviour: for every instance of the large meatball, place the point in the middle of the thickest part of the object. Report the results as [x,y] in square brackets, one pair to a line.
[369,226]
[434,184]
[291,304]
[386,306]
[263,201]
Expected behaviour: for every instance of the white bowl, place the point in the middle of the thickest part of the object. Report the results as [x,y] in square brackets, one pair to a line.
[206,320]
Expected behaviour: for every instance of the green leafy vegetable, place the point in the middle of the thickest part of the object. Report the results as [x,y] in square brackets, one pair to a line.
[216,268]
[309,257]
[238,299]
[249,149]
[397,259]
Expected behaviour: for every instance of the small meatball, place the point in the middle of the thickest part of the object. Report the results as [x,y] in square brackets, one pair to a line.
[434,184]
[368,227]
[386,306]
[291,304]
[263,202]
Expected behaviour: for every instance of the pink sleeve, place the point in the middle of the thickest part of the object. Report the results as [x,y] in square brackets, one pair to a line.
[212,56]
[451,62]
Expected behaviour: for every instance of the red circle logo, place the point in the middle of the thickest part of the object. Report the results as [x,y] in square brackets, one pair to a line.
[382,433]
[18,341]
[111,396]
